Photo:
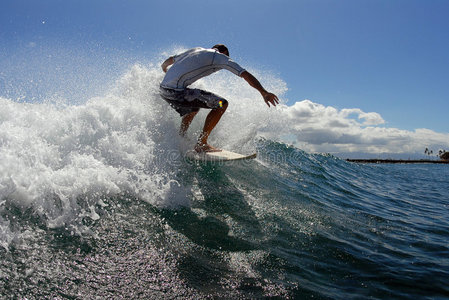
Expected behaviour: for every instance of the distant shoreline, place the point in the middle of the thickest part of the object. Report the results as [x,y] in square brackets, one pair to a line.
[398,161]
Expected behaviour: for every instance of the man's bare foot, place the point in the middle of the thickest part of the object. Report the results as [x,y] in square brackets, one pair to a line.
[206,148]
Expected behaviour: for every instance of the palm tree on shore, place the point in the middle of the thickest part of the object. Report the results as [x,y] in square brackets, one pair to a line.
[444,155]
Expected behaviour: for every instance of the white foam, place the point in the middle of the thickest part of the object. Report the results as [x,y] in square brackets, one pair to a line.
[62,160]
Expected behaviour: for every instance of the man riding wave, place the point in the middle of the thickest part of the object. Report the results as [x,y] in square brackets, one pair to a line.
[188,67]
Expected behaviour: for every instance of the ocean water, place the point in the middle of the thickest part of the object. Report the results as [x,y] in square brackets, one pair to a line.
[96,201]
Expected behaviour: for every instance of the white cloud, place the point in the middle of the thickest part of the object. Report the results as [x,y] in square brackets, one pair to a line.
[320,128]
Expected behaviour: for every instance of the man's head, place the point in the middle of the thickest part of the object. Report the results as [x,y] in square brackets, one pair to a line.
[222,49]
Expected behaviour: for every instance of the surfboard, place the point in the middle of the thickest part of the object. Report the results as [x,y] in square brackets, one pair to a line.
[222,155]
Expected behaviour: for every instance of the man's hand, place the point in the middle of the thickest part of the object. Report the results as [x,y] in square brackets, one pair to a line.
[267,96]
[270,98]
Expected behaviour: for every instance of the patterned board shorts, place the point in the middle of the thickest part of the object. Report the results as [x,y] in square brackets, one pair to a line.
[191,100]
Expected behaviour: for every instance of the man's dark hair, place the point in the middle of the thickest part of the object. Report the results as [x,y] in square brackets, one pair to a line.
[222,49]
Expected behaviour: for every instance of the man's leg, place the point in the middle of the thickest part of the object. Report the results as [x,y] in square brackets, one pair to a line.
[185,122]
[211,121]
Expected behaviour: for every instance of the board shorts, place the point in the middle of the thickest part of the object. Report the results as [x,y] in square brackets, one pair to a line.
[191,100]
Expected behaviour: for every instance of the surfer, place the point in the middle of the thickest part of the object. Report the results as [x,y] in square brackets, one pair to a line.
[188,67]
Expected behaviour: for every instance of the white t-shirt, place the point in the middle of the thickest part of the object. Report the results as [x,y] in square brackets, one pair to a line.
[197,63]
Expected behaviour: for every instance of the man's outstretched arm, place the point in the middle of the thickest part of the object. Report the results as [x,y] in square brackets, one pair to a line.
[267,96]
[169,61]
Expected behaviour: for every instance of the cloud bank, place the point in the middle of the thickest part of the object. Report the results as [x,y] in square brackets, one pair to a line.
[318,128]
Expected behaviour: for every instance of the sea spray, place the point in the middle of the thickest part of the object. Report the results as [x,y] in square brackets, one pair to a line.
[60,160]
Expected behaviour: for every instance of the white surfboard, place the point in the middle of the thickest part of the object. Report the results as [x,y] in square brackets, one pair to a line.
[222,155]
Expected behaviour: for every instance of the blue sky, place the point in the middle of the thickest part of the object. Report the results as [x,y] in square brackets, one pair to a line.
[384,56]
